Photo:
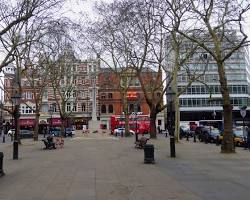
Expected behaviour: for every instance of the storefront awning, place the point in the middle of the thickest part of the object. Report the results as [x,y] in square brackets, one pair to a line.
[27,122]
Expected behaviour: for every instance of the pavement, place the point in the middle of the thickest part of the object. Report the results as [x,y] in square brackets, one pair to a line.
[102,167]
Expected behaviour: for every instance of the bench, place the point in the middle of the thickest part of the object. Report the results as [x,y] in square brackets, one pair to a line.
[49,145]
[140,144]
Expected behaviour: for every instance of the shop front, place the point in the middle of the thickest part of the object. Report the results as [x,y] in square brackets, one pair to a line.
[27,124]
[80,122]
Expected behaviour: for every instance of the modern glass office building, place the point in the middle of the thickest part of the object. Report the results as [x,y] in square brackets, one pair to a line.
[202,100]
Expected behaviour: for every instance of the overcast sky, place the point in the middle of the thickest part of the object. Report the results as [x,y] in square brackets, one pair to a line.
[86,7]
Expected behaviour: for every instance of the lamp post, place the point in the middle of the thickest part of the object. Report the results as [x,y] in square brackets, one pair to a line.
[170,98]
[136,134]
[50,111]
[16,101]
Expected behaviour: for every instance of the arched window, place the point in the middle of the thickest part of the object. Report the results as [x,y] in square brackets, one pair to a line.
[138,108]
[131,108]
[103,108]
[110,108]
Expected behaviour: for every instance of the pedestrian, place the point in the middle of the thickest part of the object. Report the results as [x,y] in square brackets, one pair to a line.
[159,129]
[248,138]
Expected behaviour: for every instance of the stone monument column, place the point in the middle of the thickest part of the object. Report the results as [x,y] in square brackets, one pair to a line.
[94,124]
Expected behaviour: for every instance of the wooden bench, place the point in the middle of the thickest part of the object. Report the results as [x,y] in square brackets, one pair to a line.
[141,143]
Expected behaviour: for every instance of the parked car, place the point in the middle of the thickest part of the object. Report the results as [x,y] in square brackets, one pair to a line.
[55,131]
[213,134]
[201,132]
[25,134]
[69,132]
[119,131]
[184,131]
[238,137]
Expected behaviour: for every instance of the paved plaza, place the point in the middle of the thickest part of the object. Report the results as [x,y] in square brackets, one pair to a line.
[103,167]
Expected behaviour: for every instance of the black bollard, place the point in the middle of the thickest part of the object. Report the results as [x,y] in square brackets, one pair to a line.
[245,143]
[194,138]
[1,164]
[172,146]
[3,138]
[187,137]
[217,141]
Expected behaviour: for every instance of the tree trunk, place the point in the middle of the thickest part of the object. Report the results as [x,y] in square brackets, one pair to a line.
[127,125]
[36,127]
[153,115]
[228,141]
[63,127]
[177,120]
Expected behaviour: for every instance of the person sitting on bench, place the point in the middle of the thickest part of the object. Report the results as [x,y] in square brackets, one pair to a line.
[49,144]
[141,142]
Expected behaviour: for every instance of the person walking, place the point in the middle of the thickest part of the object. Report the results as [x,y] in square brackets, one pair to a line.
[248,138]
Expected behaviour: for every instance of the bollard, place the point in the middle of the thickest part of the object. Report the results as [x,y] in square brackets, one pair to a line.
[217,141]
[172,146]
[149,153]
[245,143]
[1,164]
[194,138]
[187,137]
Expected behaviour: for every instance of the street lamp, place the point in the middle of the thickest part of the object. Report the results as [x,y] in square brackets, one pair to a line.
[170,99]
[136,134]
[50,111]
[16,102]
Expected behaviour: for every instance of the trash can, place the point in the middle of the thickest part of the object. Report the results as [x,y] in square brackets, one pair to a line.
[149,153]
[1,164]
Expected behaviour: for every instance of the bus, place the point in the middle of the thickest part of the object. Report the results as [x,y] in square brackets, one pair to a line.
[142,122]
[214,123]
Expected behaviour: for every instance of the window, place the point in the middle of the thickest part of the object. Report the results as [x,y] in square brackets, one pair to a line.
[131,107]
[103,96]
[110,108]
[110,95]
[103,109]
[68,107]
[83,107]
[74,108]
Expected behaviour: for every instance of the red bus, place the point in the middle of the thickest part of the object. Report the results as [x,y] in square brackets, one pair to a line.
[142,121]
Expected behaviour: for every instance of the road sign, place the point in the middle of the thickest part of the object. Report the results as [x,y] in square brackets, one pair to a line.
[243,113]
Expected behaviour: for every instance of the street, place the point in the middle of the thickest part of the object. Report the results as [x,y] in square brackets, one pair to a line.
[103,167]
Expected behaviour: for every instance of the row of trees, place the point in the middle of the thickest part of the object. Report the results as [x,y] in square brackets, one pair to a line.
[127,34]
[34,37]
[153,34]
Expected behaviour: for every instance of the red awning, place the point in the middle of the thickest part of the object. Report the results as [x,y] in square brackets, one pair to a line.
[27,122]
[56,122]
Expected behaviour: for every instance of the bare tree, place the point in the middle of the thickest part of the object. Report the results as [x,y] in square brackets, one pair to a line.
[223,36]
[105,39]
[13,17]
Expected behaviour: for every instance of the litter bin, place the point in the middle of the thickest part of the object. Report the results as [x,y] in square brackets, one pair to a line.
[149,153]
[1,164]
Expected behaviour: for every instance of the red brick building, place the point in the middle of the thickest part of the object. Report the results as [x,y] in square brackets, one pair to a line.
[110,97]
